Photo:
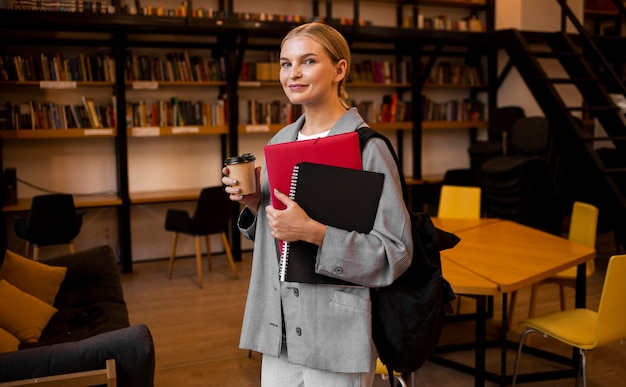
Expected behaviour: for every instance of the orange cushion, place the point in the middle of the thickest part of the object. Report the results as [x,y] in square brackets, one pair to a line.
[8,342]
[22,315]
[35,278]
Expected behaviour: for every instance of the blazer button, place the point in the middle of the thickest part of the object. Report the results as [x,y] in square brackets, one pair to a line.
[296,292]
[339,270]
[298,331]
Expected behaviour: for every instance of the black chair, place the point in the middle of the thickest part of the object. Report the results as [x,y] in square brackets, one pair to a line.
[519,186]
[501,121]
[53,221]
[211,216]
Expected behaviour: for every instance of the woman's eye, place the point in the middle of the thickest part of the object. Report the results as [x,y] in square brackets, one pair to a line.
[309,61]
[285,64]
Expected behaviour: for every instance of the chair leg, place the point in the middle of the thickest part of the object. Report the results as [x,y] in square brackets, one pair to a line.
[172,255]
[229,254]
[583,366]
[562,294]
[208,251]
[519,353]
[35,252]
[533,300]
[72,247]
[511,309]
[199,259]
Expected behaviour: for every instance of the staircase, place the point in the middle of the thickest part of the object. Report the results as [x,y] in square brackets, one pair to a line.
[576,157]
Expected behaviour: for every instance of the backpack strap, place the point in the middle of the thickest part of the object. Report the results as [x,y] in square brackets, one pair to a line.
[365,133]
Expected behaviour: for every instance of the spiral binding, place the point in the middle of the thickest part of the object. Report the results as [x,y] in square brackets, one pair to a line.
[284,254]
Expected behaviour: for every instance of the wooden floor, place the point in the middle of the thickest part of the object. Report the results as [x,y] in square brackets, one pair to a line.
[196,331]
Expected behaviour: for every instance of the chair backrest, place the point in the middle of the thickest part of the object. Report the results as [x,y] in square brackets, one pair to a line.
[459,202]
[53,220]
[583,227]
[611,326]
[212,212]
[501,120]
[531,136]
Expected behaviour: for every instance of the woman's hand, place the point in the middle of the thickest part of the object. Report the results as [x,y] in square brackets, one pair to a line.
[252,200]
[293,223]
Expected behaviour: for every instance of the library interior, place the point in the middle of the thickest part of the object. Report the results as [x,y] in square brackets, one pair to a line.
[130,108]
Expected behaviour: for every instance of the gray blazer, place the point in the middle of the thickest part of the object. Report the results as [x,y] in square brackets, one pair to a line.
[327,327]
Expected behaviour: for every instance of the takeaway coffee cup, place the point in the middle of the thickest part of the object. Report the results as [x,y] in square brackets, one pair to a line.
[242,169]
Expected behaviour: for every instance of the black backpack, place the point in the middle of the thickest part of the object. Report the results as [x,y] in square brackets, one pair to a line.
[408,315]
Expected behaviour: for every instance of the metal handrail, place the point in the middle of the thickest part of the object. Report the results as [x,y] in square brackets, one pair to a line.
[567,11]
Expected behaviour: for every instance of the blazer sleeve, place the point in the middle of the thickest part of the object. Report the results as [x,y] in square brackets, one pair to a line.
[377,258]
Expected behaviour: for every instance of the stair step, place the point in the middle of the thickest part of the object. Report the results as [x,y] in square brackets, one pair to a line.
[593,108]
[572,80]
[556,54]
[612,138]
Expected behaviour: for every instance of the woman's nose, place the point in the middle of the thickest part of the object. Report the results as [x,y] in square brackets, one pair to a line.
[295,72]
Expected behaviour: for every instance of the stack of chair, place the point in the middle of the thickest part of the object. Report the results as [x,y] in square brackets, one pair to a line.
[501,121]
[519,186]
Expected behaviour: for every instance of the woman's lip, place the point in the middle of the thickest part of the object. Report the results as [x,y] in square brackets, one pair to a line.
[296,86]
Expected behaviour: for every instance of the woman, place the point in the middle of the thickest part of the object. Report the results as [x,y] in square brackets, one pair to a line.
[319,335]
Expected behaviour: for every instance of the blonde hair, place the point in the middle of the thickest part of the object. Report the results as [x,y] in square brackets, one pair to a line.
[333,42]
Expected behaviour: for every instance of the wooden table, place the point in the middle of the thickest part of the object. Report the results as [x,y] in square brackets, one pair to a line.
[80,201]
[511,256]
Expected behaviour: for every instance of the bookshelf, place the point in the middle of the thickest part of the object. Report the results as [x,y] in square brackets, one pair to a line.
[238,33]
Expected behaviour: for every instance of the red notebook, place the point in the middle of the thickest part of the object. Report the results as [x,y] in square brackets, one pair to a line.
[342,150]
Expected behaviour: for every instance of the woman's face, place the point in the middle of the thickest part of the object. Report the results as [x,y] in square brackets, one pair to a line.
[307,73]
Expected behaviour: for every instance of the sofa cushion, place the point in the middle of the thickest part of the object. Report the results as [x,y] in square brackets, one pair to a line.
[34,278]
[8,342]
[23,315]
[132,348]
[90,300]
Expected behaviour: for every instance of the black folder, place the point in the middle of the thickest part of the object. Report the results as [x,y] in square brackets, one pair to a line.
[340,197]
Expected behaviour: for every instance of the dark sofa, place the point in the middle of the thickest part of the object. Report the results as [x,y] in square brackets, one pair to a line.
[91,326]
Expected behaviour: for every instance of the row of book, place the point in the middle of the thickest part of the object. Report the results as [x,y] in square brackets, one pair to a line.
[175,112]
[272,112]
[50,115]
[453,110]
[260,71]
[174,67]
[99,67]
[65,6]
[389,109]
[380,72]
[447,73]
[471,23]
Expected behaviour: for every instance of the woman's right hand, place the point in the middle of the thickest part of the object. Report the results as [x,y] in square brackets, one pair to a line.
[252,200]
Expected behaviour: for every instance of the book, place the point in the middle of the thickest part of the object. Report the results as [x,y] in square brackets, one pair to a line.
[342,150]
[339,197]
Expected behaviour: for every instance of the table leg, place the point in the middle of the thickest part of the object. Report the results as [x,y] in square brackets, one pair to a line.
[503,343]
[481,341]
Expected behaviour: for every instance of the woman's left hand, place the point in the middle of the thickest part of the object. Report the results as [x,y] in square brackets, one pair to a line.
[293,223]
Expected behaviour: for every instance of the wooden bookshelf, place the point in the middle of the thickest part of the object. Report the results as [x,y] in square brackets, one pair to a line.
[25,134]
[80,201]
[155,131]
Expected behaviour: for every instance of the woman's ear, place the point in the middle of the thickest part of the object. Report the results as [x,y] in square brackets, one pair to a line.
[341,70]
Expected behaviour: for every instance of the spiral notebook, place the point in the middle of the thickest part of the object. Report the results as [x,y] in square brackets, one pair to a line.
[340,197]
[342,150]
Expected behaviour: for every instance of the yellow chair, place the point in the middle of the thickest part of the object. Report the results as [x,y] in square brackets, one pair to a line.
[459,202]
[382,371]
[583,328]
[582,229]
